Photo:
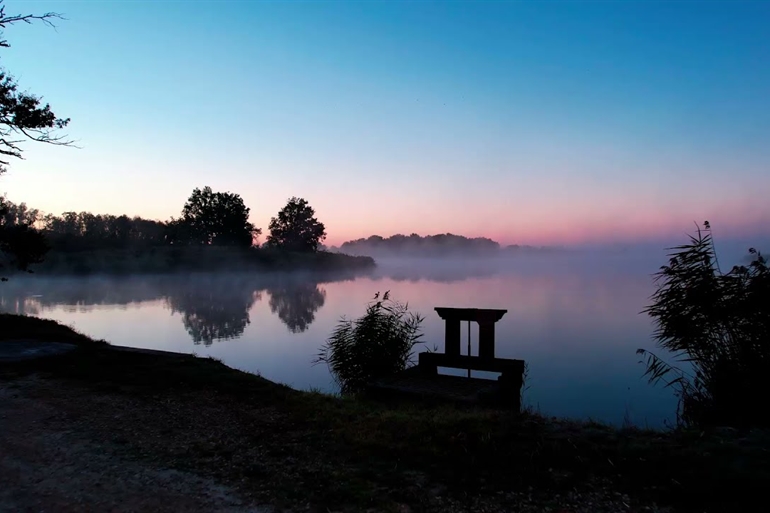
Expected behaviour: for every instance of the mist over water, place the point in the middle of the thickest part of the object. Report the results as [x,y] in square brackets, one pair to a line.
[574,317]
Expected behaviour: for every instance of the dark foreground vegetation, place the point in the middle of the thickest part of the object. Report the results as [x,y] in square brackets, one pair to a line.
[716,325]
[378,344]
[314,452]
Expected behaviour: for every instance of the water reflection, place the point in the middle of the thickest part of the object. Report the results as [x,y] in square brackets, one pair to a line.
[19,305]
[213,308]
[296,303]
[33,295]
[575,321]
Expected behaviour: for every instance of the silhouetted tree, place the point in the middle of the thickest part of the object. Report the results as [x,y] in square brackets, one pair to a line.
[216,218]
[21,245]
[296,228]
[13,214]
[86,231]
[22,116]
[296,304]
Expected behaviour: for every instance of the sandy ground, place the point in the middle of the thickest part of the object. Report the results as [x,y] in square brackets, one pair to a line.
[47,465]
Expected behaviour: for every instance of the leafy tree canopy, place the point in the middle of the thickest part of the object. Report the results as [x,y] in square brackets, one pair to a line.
[23,116]
[296,228]
[20,243]
[217,218]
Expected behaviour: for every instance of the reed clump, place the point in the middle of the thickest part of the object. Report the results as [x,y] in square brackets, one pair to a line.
[378,344]
[717,326]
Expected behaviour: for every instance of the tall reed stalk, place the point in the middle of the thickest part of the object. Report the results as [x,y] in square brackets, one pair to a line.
[717,325]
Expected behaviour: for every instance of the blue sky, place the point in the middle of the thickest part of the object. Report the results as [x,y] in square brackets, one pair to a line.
[530,122]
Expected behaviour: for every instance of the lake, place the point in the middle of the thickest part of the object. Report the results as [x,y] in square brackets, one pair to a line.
[574,319]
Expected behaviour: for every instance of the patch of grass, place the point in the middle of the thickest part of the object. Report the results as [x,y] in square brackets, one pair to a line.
[16,327]
[151,373]
[476,450]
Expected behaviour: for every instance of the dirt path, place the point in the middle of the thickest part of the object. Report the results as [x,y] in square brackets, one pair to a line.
[46,464]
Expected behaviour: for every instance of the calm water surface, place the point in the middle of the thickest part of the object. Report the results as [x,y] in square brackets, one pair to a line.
[574,320]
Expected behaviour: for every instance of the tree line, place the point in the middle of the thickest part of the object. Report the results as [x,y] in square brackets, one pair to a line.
[439,245]
[208,218]
[414,244]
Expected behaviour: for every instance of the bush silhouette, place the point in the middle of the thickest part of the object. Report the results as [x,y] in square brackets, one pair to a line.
[718,324]
[378,344]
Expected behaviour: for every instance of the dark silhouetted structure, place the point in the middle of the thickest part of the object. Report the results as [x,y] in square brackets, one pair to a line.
[423,381]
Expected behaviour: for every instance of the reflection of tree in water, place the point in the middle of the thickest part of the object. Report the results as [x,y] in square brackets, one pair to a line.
[213,308]
[34,296]
[296,304]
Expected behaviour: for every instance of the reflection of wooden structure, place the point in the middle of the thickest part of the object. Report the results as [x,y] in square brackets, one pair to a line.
[424,380]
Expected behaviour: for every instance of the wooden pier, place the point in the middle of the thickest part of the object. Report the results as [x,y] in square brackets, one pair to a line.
[424,382]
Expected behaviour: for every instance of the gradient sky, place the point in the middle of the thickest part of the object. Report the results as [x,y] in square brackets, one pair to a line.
[528,122]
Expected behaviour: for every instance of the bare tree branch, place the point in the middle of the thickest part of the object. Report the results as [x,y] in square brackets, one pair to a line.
[5,20]
[23,113]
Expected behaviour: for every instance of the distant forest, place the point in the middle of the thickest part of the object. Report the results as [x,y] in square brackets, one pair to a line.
[444,244]
[208,219]
[213,232]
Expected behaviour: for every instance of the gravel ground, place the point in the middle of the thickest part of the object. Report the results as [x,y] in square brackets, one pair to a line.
[47,465]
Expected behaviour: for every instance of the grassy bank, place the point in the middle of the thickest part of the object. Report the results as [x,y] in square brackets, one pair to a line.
[192,259]
[295,449]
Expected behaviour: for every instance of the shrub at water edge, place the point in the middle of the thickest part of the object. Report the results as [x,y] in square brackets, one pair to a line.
[378,344]
[718,325]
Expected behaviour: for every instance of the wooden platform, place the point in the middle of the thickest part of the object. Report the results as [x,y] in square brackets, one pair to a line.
[441,388]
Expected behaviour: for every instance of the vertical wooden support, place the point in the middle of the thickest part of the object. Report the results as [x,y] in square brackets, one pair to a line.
[487,340]
[452,337]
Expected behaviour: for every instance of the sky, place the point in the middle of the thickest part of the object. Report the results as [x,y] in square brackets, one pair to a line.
[540,122]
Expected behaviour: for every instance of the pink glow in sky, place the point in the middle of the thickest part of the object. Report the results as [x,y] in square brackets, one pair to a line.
[564,124]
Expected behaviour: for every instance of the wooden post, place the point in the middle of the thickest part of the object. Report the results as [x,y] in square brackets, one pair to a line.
[486,340]
[452,337]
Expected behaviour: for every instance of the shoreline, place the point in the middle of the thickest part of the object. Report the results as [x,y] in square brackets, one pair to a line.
[308,451]
[187,259]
